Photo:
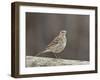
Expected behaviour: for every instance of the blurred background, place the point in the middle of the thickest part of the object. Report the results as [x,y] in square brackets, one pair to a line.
[42,28]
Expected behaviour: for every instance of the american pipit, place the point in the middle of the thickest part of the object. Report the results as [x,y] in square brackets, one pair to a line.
[57,45]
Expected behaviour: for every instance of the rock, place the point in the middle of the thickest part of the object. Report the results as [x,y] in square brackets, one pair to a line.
[33,61]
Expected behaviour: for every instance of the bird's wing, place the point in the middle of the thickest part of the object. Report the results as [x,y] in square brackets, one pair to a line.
[54,42]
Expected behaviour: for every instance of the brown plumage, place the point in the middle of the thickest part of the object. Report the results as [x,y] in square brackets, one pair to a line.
[57,45]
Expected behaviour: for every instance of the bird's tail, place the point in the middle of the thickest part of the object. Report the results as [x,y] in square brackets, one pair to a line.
[45,51]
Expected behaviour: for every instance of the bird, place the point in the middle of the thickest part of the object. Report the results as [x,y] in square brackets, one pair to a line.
[57,45]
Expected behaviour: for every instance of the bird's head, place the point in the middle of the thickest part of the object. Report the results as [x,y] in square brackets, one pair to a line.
[63,32]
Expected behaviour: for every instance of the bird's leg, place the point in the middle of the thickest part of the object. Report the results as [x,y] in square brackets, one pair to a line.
[55,55]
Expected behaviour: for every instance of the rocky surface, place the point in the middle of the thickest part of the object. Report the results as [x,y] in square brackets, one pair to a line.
[33,61]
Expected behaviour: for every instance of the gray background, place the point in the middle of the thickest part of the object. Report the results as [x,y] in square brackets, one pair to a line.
[42,28]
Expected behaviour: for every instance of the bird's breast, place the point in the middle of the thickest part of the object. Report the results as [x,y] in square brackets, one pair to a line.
[61,46]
